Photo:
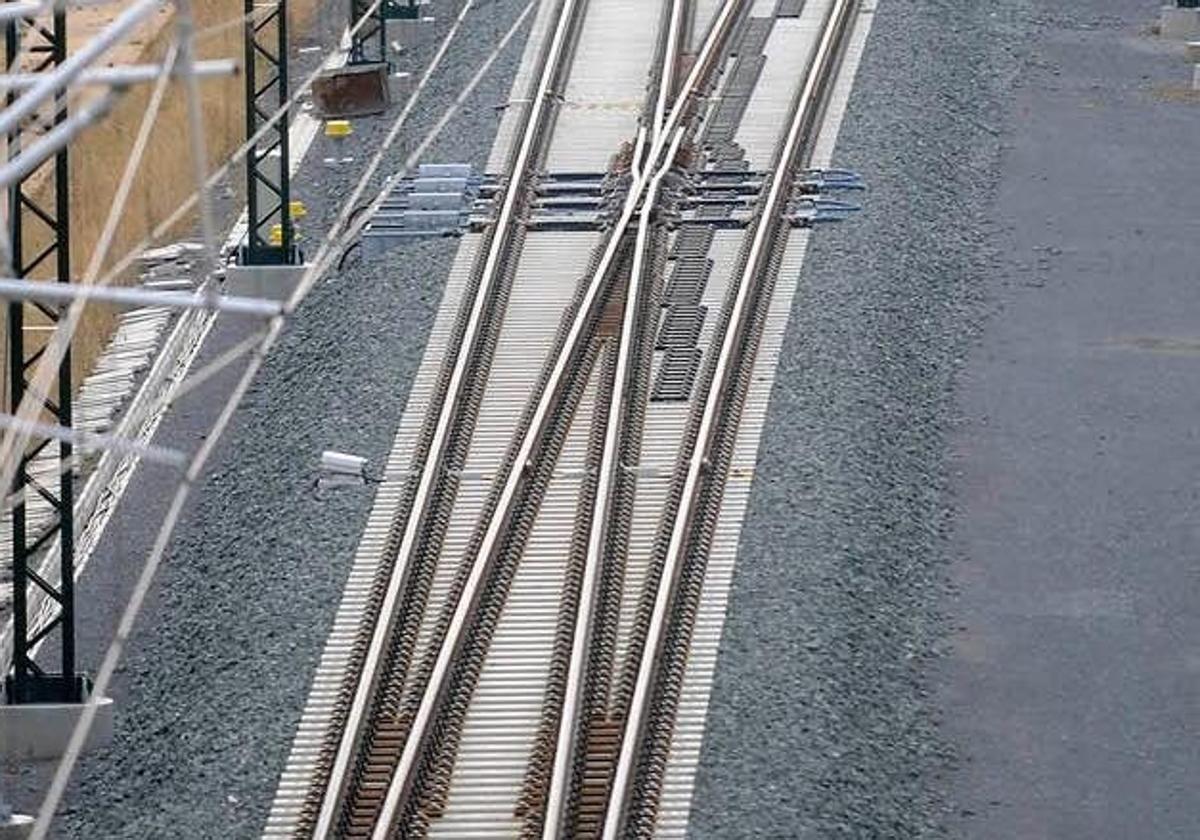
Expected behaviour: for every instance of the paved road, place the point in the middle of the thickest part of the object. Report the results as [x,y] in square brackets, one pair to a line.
[1075,680]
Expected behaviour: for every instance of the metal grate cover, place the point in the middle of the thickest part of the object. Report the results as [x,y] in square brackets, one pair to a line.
[676,375]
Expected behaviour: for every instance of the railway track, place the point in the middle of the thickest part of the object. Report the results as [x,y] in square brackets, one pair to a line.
[511,661]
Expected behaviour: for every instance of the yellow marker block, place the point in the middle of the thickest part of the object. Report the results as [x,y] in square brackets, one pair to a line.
[338,128]
[297,209]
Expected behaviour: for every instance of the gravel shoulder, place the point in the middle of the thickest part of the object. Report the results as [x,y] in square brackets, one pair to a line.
[822,722]
[214,679]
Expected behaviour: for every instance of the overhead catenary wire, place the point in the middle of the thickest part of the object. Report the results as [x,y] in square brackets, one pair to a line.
[342,233]
[133,607]
[357,714]
[54,351]
[64,330]
[18,289]
[52,142]
[117,208]
[85,441]
[132,164]
[186,29]
[181,54]
[16,10]
[353,219]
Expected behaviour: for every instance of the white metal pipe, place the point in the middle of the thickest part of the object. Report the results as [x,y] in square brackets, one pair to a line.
[50,143]
[130,74]
[92,441]
[52,292]
[185,40]
[635,722]
[95,48]
[14,10]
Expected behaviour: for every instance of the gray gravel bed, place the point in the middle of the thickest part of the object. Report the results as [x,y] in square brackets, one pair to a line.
[214,680]
[821,723]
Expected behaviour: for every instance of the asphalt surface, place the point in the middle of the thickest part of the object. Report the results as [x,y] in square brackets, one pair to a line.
[1075,675]
[215,677]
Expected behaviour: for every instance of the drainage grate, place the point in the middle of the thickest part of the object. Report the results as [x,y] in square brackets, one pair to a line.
[692,242]
[680,328]
[689,278]
[676,375]
[789,8]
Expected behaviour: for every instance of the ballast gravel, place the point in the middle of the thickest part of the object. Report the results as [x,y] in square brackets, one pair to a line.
[215,677]
[821,723]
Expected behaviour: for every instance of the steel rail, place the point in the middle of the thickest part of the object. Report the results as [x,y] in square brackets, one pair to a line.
[340,773]
[421,729]
[670,62]
[560,779]
[639,146]
[705,59]
[418,735]
[555,815]
[806,108]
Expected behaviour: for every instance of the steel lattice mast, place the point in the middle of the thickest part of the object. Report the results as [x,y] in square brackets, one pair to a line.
[39,239]
[271,236]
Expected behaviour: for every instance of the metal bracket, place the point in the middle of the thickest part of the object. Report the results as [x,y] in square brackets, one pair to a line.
[827,180]
[809,210]
[435,202]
